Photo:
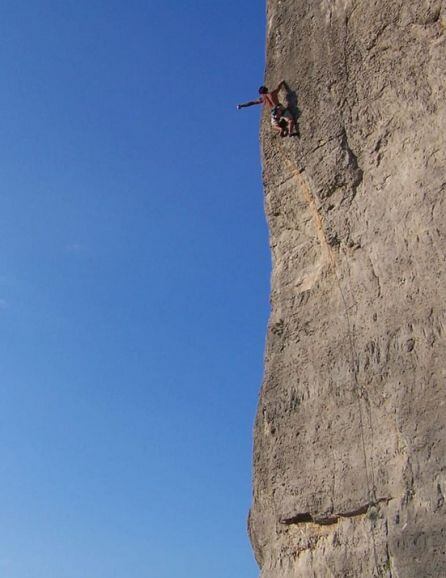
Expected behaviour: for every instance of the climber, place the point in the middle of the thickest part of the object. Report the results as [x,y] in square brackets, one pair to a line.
[282,119]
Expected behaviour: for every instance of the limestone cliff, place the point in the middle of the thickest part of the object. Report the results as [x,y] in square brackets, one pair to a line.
[349,452]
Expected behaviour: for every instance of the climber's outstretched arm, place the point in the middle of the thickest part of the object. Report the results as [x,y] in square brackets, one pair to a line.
[250,103]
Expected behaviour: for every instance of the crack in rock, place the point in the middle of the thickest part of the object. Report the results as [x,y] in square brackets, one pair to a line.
[329,519]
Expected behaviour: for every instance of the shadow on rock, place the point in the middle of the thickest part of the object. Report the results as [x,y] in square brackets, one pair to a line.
[292,105]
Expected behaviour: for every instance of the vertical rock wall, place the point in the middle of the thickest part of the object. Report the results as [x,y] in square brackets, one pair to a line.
[350,435]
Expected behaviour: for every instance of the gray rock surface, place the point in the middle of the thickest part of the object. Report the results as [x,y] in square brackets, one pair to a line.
[350,434]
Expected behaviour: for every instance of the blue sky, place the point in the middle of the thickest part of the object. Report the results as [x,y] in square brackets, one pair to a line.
[134,276]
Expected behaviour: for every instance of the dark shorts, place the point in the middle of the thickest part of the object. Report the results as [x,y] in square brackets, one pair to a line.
[279,114]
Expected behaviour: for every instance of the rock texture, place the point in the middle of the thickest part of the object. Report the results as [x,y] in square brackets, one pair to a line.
[350,434]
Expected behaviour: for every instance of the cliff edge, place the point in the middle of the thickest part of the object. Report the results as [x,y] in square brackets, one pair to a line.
[349,443]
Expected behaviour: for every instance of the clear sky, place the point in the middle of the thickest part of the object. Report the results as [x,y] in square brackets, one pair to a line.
[134,278]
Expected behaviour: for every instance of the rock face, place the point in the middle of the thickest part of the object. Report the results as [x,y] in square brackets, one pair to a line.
[350,434]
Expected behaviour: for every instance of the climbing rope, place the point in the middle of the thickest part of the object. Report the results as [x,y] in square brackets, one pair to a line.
[369,473]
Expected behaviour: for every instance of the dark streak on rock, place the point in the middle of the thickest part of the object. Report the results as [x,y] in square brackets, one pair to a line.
[329,519]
